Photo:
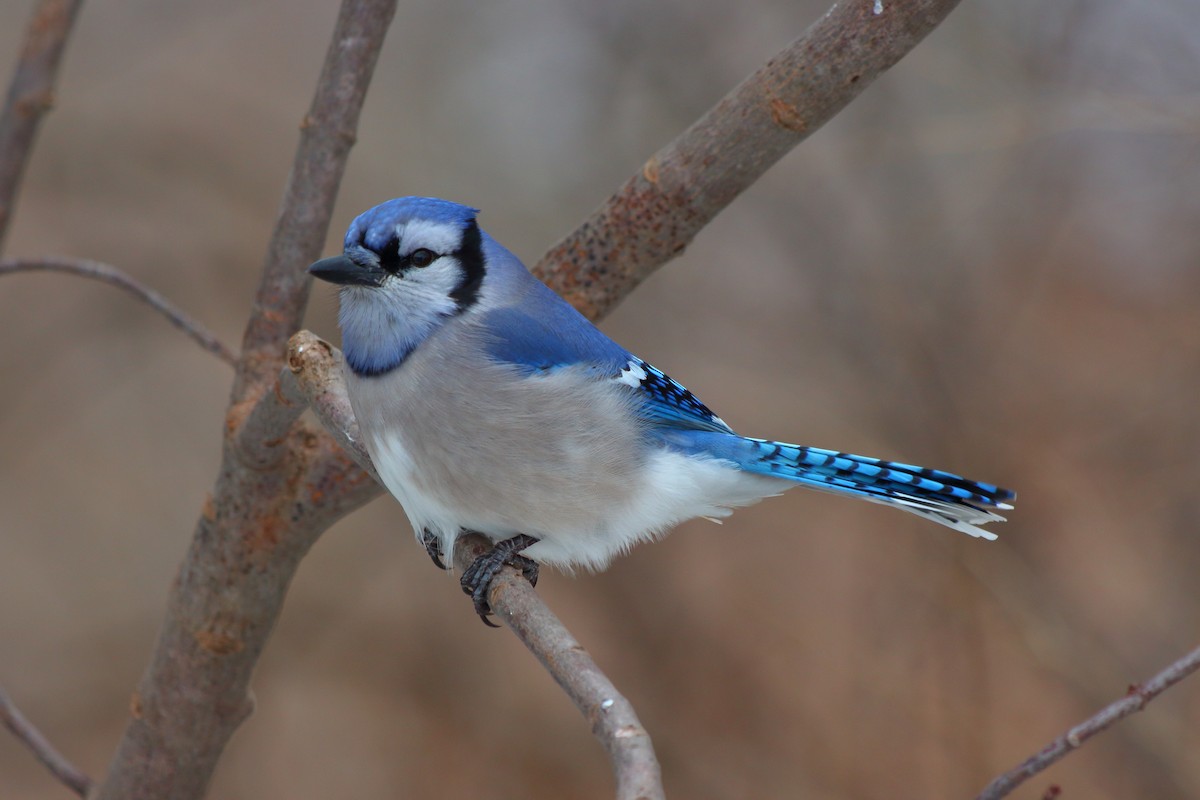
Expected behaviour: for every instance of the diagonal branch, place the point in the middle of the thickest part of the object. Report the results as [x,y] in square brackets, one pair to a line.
[54,761]
[657,212]
[99,271]
[31,95]
[611,716]
[1135,700]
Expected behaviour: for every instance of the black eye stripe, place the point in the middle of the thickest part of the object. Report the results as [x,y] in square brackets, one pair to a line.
[389,256]
[392,262]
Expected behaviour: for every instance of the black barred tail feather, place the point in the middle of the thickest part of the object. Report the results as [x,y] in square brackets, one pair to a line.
[943,497]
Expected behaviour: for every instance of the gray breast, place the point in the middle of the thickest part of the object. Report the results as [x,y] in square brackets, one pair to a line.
[498,451]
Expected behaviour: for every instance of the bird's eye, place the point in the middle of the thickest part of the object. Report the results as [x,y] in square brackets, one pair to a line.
[422,257]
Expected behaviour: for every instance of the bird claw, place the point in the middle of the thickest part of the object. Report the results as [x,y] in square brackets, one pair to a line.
[433,547]
[477,579]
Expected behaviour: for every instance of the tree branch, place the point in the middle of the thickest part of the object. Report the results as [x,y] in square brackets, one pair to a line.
[657,212]
[54,761]
[269,504]
[31,95]
[1135,700]
[96,270]
[611,716]
[326,136]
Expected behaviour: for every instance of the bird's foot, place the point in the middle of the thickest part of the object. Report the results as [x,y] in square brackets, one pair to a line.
[477,578]
[433,546]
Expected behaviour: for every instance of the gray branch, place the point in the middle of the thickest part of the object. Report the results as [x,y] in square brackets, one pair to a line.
[264,513]
[31,737]
[98,271]
[1135,700]
[658,211]
[31,95]
[611,716]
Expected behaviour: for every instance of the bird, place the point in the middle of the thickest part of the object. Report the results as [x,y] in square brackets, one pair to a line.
[487,403]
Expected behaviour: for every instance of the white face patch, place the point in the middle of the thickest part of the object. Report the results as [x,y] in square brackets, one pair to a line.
[421,290]
[440,237]
[381,326]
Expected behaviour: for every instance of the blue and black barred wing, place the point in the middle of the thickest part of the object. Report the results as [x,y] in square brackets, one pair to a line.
[667,403]
[559,338]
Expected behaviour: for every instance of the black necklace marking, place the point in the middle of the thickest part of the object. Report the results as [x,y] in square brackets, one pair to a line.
[470,258]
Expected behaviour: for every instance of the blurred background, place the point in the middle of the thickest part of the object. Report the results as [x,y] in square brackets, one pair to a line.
[987,263]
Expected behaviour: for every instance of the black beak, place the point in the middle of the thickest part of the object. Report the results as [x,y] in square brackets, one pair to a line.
[344,272]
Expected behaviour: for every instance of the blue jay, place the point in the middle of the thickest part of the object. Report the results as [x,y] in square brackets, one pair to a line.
[489,404]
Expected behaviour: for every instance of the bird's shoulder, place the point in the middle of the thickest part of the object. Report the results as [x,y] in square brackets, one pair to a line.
[544,333]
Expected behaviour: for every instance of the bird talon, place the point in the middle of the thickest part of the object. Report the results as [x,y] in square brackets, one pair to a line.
[433,547]
[477,579]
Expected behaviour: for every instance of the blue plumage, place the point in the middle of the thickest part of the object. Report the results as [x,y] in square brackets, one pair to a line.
[375,228]
[944,497]
[666,402]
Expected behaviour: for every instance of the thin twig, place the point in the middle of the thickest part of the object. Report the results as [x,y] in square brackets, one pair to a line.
[31,95]
[96,270]
[1135,700]
[657,212]
[53,760]
[611,716]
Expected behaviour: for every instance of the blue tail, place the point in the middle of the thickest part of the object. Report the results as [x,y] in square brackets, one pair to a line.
[943,497]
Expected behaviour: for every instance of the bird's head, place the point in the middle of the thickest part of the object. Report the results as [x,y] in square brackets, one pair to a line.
[407,266]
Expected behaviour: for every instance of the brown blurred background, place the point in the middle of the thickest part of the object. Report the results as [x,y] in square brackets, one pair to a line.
[988,263]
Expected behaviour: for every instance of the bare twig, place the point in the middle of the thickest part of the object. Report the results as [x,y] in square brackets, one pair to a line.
[346,479]
[96,270]
[315,368]
[1135,700]
[53,760]
[31,95]
[611,716]
[658,211]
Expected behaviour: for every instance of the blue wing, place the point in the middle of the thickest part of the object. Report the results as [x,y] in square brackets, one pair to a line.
[560,336]
[552,339]
[668,403]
